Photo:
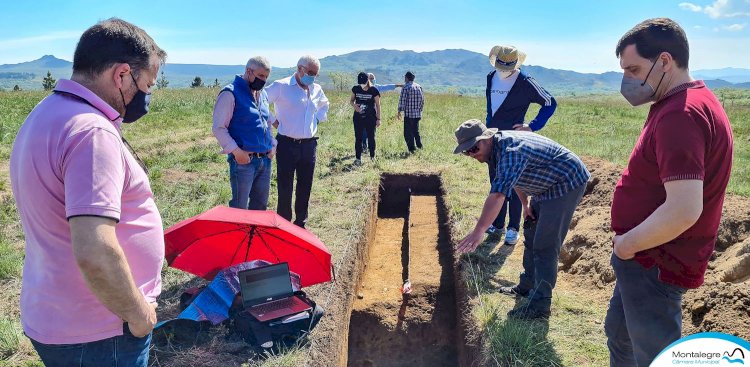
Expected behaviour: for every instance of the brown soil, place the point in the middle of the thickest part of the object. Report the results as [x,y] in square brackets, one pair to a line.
[387,328]
[721,304]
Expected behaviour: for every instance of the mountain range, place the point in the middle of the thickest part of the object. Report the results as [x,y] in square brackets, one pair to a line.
[455,71]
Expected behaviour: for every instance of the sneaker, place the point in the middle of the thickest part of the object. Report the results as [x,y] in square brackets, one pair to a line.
[529,313]
[511,237]
[372,159]
[357,162]
[513,291]
[495,231]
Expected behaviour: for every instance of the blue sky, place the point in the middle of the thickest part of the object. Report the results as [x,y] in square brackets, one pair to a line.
[574,35]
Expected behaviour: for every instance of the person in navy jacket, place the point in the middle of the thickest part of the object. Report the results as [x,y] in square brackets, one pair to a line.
[509,93]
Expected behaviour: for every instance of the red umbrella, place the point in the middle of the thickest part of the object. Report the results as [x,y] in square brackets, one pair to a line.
[221,237]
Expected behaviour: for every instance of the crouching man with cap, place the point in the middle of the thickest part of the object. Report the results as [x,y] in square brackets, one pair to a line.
[553,176]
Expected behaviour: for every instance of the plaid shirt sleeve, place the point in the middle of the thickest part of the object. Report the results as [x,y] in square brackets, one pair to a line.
[420,99]
[510,166]
[402,99]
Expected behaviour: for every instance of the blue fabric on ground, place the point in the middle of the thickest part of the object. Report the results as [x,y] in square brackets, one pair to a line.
[213,303]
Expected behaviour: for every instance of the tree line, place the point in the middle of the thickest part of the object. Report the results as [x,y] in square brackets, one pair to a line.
[341,82]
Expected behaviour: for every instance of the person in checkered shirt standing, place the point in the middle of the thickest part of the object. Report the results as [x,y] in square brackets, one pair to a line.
[411,103]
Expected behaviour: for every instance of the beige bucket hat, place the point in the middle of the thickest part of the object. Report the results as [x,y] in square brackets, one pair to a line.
[506,58]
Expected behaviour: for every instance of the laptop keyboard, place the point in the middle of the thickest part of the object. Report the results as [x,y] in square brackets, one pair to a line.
[275,305]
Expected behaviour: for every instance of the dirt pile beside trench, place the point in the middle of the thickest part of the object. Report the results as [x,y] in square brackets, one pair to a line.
[721,304]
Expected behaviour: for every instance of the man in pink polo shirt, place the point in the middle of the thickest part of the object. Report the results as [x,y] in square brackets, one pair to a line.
[94,238]
[667,205]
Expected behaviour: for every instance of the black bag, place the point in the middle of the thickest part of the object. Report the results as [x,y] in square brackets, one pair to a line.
[257,333]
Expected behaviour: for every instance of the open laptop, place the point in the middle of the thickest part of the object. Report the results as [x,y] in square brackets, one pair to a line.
[267,292]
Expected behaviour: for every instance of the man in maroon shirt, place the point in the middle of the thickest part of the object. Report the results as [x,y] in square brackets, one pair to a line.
[667,204]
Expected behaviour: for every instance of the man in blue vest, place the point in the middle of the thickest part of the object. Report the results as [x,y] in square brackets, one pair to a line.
[241,125]
[509,94]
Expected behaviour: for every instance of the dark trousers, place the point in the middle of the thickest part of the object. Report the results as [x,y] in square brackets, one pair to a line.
[123,350]
[294,156]
[411,133]
[543,238]
[644,314]
[364,128]
[512,206]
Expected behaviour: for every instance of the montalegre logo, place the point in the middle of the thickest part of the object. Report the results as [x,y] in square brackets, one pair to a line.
[705,349]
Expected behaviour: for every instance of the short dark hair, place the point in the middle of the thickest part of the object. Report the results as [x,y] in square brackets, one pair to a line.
[409,76]
[654,36]
[362,78]
[114,41]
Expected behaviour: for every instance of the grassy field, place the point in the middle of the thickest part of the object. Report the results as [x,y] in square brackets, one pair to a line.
[188,176]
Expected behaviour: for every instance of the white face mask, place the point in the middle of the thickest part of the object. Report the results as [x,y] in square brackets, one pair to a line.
[506,74]
[363,86]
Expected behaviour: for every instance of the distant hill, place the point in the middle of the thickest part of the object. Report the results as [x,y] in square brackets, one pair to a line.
[453,70]
[732,75]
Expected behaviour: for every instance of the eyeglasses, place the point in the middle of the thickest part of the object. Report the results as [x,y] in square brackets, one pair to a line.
[472,150]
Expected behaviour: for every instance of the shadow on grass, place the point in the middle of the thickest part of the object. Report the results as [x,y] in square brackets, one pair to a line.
[510,342]
[396,155]
[522,343]
[339,164]
[486,261]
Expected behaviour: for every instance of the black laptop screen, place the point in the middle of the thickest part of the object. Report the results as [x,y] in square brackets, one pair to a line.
[265,284]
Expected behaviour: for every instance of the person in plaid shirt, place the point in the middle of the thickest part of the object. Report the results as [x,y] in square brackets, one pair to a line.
[553,176]
[411,104]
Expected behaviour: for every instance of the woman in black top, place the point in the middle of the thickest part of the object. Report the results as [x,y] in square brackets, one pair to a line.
[366,102]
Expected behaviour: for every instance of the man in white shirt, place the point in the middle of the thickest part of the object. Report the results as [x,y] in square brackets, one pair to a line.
[300,105]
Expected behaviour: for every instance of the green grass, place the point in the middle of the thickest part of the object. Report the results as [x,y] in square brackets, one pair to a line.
[10,337]
[188,176]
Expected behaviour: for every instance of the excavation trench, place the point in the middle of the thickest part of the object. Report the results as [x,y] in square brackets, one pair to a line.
[410,240]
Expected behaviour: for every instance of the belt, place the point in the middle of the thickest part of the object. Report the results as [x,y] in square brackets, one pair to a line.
[253,154]
[284,137]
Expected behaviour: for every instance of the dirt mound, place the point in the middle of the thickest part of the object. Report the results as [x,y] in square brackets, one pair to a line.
[588,246]
[733,265]
[721,304]
[735,221]
[718,306]
[601,186]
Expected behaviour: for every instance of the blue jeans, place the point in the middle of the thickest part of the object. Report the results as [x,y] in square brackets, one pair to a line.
[250,183]
[644,316]
[123,350]
[542,240]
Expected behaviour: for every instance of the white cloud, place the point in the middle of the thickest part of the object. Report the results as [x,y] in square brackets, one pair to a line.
[734,27]
[728,9]
[690,7]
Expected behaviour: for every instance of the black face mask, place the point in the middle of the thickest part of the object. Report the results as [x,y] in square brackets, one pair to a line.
[138,106]
[256,84]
